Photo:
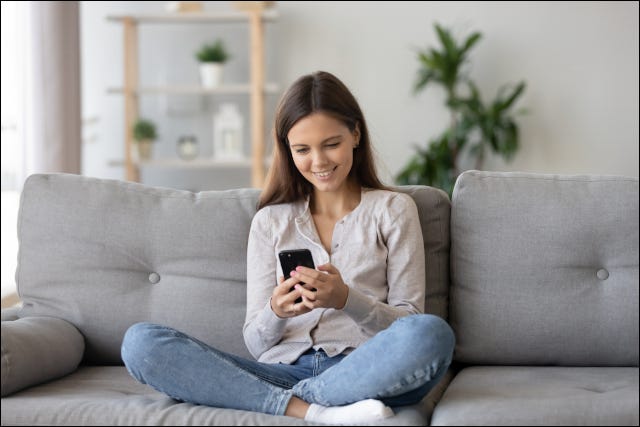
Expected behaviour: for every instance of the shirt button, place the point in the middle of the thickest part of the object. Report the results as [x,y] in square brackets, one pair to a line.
[154,278]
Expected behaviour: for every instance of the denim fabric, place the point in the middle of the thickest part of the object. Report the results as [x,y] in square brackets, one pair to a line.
[399,366]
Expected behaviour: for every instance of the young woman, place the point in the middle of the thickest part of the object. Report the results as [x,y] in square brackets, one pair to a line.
[337,344]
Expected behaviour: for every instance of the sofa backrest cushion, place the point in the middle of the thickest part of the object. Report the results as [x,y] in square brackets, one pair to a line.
[544,269]
[434,208]
[105,254]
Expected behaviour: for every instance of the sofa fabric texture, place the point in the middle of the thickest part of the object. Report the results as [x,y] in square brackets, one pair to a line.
[545,269]
[125,253]
[54,345]
[107,395]
[104,255]
[540,395]
[536,273]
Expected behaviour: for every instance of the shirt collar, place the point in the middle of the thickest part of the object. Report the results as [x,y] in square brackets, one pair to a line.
[305,210]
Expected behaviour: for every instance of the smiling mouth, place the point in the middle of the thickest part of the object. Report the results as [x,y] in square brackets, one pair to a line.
[324,174]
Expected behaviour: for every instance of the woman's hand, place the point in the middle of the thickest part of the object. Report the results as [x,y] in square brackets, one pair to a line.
[283,298]
[323,288]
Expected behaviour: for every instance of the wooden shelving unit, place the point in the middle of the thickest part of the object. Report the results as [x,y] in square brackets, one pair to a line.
[255,15]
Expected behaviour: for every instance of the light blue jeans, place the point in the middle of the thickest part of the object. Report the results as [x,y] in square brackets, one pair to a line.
[399,366]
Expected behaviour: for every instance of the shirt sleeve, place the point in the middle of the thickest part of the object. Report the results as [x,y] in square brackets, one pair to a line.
[262,328]
[402,235]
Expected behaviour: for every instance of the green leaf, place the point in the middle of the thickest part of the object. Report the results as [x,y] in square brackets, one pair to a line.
[447,41]
[213,52]
[144,129]
[475,126]
[424,77]
[471,40]
[505,104]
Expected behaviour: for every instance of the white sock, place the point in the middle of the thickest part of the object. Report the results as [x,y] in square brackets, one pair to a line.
[363,411]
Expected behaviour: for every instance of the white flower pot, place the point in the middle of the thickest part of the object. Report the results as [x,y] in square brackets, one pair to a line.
[211,74]
[142,150]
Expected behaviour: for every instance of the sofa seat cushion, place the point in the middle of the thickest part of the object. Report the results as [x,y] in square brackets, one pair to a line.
[522,395]
[108,395]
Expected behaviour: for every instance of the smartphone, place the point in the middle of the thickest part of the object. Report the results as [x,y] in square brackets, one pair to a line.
[291,259]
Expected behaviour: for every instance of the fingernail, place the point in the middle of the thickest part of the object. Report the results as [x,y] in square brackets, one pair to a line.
[298,268]
[293,273]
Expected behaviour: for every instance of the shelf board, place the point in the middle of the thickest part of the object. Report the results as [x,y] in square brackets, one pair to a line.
[270,88]
[186,17]
[196,163]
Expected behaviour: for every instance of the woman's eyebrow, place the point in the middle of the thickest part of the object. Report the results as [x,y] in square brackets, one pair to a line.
[322,142]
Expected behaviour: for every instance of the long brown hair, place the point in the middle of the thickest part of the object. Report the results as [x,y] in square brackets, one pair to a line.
[312,93]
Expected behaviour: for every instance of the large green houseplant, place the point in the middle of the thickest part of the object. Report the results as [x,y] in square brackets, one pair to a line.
[474,126]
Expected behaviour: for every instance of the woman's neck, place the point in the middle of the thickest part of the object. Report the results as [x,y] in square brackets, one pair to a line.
[335,204]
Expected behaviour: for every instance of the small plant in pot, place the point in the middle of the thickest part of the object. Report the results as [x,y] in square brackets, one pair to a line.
[144,133]
[212,57]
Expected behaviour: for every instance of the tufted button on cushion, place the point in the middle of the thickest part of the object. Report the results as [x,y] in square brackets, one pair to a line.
[602,274]
[154,278]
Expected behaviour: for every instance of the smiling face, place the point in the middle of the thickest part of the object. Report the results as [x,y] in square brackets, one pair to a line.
[322,150]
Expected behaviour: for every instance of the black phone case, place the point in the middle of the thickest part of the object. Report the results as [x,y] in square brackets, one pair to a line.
[291,259]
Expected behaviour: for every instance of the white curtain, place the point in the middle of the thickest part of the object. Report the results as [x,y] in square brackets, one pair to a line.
[52,108]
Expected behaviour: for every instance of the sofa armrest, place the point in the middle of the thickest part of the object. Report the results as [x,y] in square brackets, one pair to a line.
[11,313]
[38,349]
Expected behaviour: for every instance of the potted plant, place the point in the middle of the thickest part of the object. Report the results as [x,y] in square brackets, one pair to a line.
[475,126]
[212,57]
[144,134]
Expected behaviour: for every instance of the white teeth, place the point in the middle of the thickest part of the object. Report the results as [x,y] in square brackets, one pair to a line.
[323,174]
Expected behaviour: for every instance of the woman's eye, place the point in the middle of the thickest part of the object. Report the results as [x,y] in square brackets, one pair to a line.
[302,150]
[334,145]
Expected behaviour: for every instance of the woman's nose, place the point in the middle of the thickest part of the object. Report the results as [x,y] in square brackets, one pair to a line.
[318,158]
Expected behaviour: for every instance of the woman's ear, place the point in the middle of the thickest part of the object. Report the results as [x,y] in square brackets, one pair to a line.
[356,135]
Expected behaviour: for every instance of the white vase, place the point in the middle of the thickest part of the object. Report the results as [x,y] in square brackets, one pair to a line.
[141,150]
[211,74]
[144,149]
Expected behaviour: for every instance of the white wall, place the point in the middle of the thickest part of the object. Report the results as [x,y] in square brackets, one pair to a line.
[579,60]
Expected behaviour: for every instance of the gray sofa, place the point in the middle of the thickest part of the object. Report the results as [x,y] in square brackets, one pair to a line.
[537,274]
